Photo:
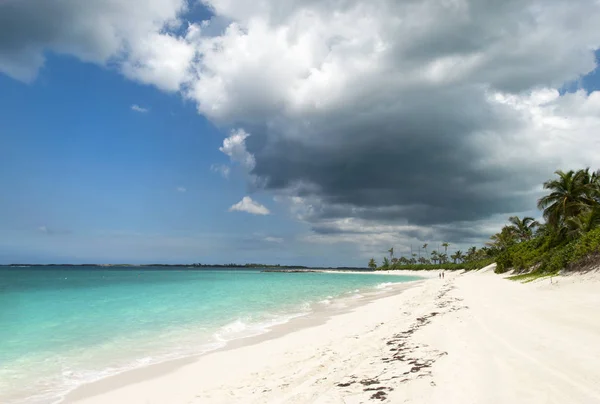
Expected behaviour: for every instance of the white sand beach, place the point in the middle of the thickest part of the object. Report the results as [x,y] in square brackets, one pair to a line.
[470,338]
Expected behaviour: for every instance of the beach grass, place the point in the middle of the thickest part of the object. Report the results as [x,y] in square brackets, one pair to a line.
[530,277]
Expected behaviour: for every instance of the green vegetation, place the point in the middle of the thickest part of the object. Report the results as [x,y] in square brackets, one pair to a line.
[569,238]
[472,260]
[469,266]
[529,277]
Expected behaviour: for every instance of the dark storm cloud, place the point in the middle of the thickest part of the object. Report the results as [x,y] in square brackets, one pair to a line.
[413,162]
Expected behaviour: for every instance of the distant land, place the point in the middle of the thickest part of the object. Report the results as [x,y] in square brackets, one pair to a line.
[196,265]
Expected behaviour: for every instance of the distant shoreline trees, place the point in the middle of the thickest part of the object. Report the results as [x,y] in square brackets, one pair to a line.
[569,236]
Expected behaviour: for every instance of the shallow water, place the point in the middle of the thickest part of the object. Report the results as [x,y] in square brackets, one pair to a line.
[61,327]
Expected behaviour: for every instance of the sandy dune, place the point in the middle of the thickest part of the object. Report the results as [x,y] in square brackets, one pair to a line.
[472,338]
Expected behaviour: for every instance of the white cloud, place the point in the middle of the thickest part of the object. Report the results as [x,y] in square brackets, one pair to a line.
[52,232]
[132,35]
[221,169]
[277,240]
[556,132]
[288,57]
[159,59]
[137,108]
[249,206]
[181,189]
[235,147]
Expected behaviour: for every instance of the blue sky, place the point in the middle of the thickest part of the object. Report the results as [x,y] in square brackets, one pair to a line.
[79,166]
[350,131]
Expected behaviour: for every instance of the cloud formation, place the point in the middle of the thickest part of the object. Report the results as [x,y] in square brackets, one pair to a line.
[51,231]
[401,119]
[249,206]
[181,189]
[234,146]
[132,35]
[139,109]
[221,169]
[380,120]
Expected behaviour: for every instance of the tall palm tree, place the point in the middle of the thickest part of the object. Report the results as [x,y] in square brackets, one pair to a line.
[445,244]
[568,197]
[391,251]
[425,248]
[523,227]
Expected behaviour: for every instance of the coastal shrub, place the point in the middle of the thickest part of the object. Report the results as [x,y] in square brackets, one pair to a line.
[585,250]
[475,265]
[586,245]
[547,255]
[557,259]
[539,252]
[519,256]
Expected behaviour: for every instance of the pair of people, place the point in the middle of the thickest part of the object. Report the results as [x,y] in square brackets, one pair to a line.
[441,275]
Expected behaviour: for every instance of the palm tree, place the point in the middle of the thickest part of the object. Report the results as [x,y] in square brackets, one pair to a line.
[523,227]
[391,251]
[457,256]
[372,263]
[582,223]
[386,263]
[445,245]
[434,256]
[425,248]
[471,253]
[542,230]
[501,241]
[454,257]
[443,258]
[591,182]
[570,193]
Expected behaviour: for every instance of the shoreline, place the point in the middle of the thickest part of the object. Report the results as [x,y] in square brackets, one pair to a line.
[513,343]
[318,316]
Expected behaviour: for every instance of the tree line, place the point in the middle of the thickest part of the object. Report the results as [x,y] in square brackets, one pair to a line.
[434,259]
[568,237]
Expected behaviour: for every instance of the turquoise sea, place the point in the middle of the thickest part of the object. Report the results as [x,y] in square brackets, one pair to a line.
[61,327]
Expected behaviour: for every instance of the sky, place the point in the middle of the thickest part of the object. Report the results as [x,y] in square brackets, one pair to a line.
[285,131]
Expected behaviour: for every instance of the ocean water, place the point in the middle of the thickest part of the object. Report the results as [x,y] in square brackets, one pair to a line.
[61,327]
